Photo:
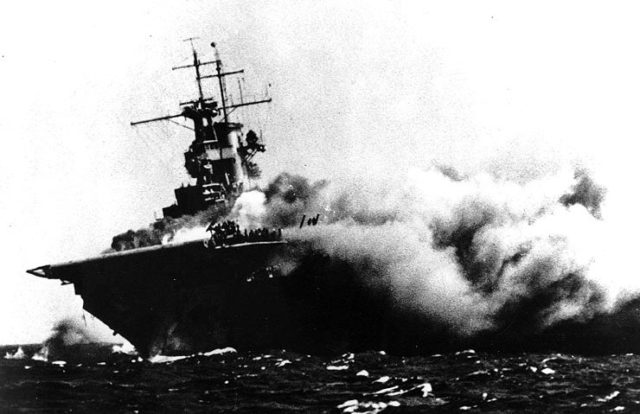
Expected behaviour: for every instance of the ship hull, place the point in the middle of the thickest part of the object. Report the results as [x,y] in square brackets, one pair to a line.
[192,297]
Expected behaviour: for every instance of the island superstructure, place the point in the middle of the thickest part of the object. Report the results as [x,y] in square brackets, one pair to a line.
[220,158]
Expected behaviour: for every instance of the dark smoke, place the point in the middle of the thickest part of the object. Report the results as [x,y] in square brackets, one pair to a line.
[68,332]
[288,197]
[585,192]
[71,341]
[451,172]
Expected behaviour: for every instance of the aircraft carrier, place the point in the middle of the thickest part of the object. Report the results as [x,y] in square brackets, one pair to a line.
[251,289]
[229,289]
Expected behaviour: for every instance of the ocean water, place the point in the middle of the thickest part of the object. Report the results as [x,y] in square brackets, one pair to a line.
[107,378]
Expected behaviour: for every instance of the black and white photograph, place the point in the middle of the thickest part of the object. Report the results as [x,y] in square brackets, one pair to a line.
[319,206]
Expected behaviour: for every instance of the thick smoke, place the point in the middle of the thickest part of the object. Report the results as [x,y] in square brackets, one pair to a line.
[287,196]
[65,336]
[477,254]
[70,332]
[585,192]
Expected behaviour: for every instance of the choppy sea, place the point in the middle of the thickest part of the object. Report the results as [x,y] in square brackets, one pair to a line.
[108,378]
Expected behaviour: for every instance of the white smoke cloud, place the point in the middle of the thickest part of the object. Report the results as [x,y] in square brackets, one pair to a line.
[249,209]
[394,257]
[467,252]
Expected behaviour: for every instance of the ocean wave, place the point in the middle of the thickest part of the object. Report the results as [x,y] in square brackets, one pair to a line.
[166,359]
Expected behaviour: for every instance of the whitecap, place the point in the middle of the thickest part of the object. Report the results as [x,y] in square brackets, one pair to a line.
[222,351]
[19,354]
[557,358]
[124,348]
[387,390]
[372,407]
[348,403]
[164,359]
[425,389]
[41,355]
[609,397]
[480,372]
[283,363]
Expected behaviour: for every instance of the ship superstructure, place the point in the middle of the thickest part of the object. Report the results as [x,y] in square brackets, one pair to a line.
[220,158]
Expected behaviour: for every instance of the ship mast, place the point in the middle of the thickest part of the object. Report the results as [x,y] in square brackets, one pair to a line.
[221,83]
[196,64]
[201,99]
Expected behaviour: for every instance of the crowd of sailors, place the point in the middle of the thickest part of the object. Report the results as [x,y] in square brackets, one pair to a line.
[228,232]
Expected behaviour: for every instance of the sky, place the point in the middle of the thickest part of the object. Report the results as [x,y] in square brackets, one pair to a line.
[362,89]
